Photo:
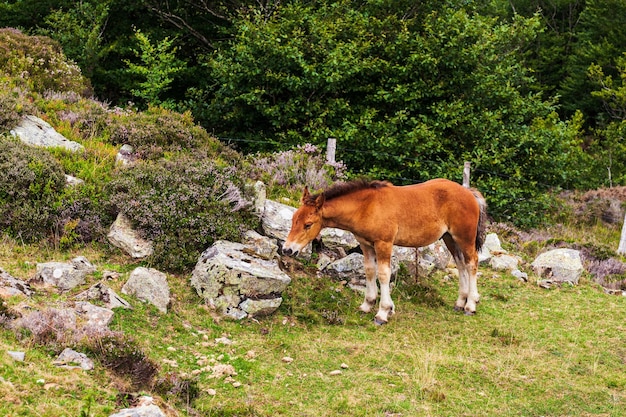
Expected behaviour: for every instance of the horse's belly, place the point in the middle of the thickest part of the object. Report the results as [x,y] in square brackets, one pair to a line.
[418,237]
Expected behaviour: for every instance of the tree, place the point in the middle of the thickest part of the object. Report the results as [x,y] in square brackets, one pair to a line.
[407,98]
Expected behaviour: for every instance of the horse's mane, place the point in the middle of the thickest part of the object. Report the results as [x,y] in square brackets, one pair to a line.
[343,188]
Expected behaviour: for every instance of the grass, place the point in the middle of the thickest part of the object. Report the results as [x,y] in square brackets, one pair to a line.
[528,352]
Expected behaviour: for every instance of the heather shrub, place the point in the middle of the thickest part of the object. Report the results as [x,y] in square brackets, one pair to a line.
[87,118]
[39,63]
[291,170]
[31,186]
[182,205]
[12,105]
[157,132]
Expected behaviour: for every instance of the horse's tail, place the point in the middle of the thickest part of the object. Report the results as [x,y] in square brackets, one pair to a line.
[482,218]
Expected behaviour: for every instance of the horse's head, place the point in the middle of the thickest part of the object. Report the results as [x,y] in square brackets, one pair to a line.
[306,223]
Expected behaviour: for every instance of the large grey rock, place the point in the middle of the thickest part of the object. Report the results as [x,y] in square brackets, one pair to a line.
[64,276]
[226,276]
[34,131]
[10,286]
[262,307]
[123,236]
[148,284]
[559,265]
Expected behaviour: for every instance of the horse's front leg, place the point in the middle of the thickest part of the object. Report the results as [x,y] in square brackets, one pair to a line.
[371,290]
[383,257]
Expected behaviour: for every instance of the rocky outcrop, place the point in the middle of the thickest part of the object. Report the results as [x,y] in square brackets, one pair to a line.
[64,276]
[236,282]
[34,131]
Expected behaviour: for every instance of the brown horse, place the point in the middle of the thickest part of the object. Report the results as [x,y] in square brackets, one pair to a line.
[381,215]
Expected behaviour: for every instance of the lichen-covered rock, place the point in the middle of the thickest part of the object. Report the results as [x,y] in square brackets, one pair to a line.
[226,275]
[148,284]
[559,265]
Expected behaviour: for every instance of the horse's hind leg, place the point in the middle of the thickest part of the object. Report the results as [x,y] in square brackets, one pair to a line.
[371,290]
[464,282]
[386,307]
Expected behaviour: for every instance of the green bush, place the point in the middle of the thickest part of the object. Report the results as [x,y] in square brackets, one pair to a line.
[31,187]
[39,63]
[182,205]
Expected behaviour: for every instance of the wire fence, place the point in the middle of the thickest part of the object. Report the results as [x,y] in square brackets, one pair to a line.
[338,151]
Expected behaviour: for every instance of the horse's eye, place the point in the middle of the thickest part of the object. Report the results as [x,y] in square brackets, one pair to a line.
[307,226]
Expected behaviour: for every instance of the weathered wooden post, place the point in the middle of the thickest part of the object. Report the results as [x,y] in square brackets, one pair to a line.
[466,174]
[331,148]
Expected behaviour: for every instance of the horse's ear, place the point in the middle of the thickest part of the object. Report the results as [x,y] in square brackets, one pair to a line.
[305,195]
[319,201]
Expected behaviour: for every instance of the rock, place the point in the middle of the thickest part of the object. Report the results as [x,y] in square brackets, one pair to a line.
[64,276]
[102,292]
[72,360]
[73,181]
[142,411]
[10,286]
[287,359]
[95,316]
[148,284]
[34,131]
[256,308]
[522,276]
[259,245]
[349,268]
[123,236]
[17,356]
[125,155]
[260,197]
[504,262]
[491,247]
[226,275]
[334,238]
[559,265]
[335,372]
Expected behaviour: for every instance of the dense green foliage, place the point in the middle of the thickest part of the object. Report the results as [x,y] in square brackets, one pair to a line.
[410,91]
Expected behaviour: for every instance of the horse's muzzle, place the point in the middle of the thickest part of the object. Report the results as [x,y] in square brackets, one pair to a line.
[289,252]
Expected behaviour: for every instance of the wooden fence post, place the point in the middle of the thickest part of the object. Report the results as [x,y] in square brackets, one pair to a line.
[466,174]
[331,148]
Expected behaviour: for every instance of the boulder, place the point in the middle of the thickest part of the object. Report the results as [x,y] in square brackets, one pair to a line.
[125,155]
[64,276]
[227,275]
[150,285]
[259,245]
[504,262]
[491,247]
[10,286]
[123,236]
[559,265]
[151,410]
[34,131]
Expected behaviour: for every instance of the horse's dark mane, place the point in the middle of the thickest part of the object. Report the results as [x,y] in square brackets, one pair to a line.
[343,188]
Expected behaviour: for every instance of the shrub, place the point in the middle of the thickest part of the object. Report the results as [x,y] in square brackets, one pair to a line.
[31,186]
[157,131]
[39,63]
[11,105]
[182,205]
[295,168]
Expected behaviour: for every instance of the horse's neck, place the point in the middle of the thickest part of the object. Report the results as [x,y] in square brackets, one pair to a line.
[340,214]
